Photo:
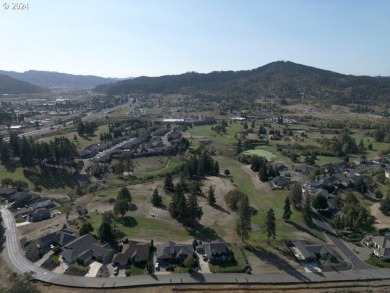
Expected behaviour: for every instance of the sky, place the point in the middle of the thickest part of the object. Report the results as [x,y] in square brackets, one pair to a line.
[129,38]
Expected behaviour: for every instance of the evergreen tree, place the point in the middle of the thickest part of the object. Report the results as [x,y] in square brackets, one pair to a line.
[5,154]
[263,173]
[287,209]
[195,212]
[168,184]
[156,199]
[85,228]
[81,128]
[105,232]
[121,207]
[320,202]
[124,194]
[307,212]
[296,196]
[385,206]
[243,225]
[270,224]
[211,200]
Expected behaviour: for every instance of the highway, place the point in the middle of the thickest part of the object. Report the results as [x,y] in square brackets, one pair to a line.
[21,264]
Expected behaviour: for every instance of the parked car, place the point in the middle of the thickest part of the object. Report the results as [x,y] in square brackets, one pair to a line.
[157,266]
[116,271]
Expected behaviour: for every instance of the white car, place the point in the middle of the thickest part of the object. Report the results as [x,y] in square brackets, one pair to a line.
[157,266]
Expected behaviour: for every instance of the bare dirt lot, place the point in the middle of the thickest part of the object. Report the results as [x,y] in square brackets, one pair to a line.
[382,221]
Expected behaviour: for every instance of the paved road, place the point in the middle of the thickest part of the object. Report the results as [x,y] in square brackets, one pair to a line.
[14,251]
[349,255]
[23,265]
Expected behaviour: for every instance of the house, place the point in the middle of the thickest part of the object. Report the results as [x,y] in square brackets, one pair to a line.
[87,249]
[59,238]
[7,192]
[19,199]
[40,215]
[218,251]
[280,182]
[380,245]
[310,252]
[169,251]
[41,202]
[279,166]
[132,253]
[304,169]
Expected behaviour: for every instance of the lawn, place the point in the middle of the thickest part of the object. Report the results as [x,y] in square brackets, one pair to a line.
[14,174]
[137,226]
[377,262]
[138,269]
[222,142]
[261,152]
[237,264]
[263,200]
[81,142]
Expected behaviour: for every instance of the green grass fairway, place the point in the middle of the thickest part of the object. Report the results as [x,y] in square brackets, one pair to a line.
[261,153]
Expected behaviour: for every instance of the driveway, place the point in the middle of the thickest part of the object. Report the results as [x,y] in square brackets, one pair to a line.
[44,258]
[93,269]
[203,265]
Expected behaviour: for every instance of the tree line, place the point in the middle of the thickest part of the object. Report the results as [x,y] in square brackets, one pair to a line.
[58,151]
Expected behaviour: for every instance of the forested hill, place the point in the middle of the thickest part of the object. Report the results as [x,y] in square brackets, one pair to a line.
[278,79]
[10,85]
[57,80]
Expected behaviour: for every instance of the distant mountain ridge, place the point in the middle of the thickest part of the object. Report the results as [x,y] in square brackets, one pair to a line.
[10,85]
[281,79]
[57,80]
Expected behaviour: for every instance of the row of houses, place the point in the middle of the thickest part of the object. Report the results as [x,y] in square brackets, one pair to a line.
[27,205]
[88,249]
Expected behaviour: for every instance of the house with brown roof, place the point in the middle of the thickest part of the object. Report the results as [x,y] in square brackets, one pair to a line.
[169,251]
[131,253]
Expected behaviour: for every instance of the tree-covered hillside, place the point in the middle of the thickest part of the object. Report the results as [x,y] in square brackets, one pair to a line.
[278,79]
[14,86]
[57,80]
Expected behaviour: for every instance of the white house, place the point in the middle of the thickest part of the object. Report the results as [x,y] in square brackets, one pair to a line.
[380,245]
[42,202]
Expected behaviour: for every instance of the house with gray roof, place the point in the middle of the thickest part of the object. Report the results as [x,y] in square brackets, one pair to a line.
[279,166]
[218,251]
[87,249]
[304,169]
[280,182]
[169,251]
[40,215]
[310,252]
[380,245]
[59,238]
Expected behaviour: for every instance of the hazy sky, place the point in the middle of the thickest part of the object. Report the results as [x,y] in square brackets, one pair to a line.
[131,38]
